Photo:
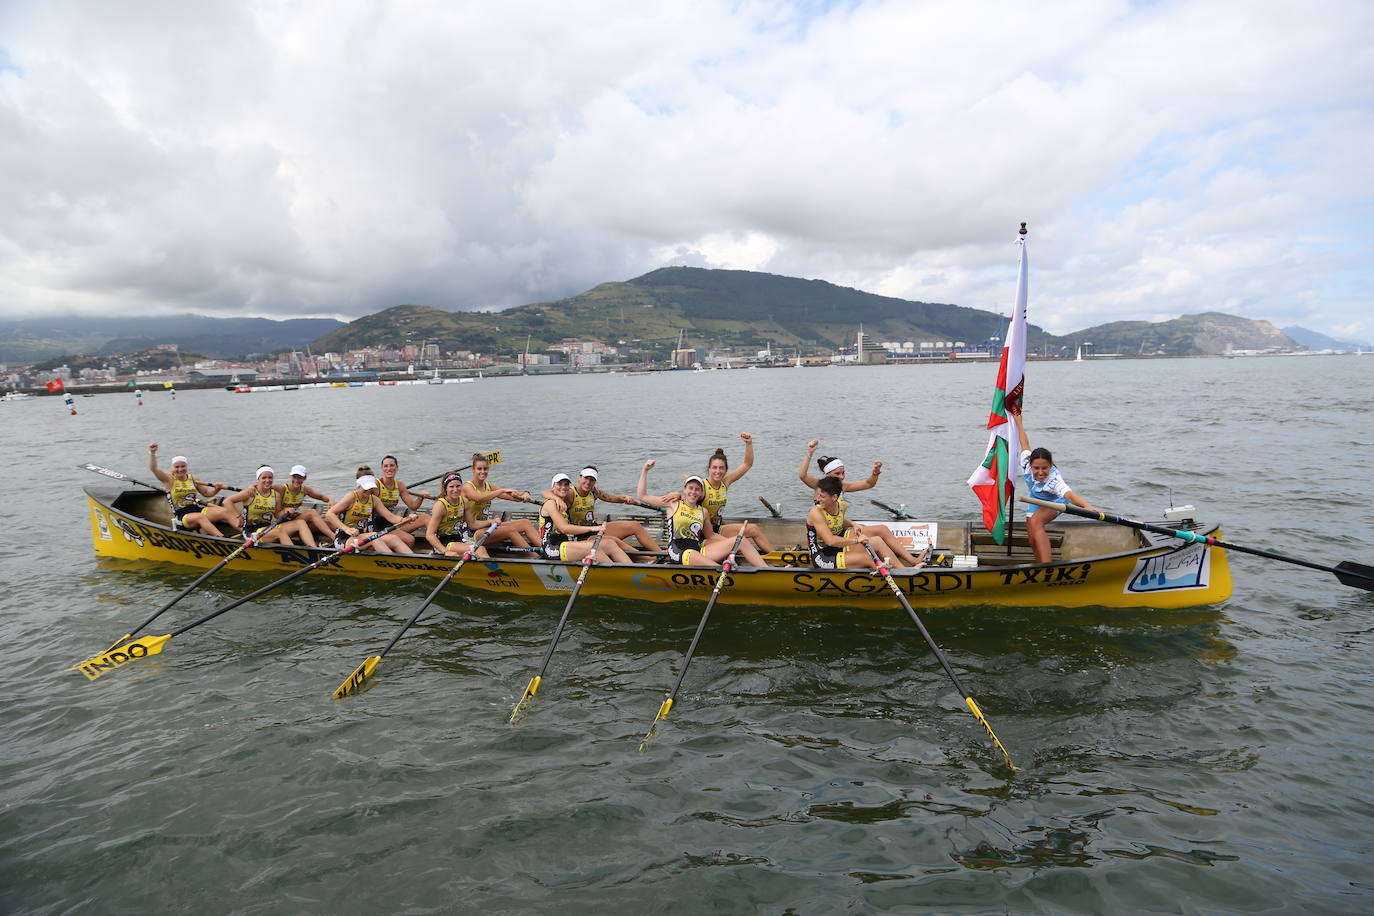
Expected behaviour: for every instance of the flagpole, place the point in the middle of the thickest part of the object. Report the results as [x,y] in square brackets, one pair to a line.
[1015,463]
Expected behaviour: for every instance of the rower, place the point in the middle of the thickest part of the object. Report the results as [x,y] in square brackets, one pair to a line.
[478,493]
[719,477]
[447,531]
[292,498]
[188,497]
[834,467]
[582,511]
[362,511]
[262,502]
[834,541]
[557,534]
[693,542]
[393,494]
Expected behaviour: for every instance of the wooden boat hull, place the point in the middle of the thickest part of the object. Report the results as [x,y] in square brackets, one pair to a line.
[1160,573]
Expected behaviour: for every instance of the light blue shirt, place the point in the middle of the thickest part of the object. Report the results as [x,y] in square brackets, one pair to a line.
[1051,489]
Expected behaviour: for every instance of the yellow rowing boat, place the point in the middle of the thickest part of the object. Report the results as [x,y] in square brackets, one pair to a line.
[1094,564]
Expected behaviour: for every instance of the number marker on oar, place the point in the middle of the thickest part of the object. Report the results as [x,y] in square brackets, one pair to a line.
[492,458]
[251,542]
[533,686]
[369,665]
[944,662]
[1355,575]
[152,645]
[725,568]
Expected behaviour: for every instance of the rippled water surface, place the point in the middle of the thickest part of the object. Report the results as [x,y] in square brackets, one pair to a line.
[1214,760]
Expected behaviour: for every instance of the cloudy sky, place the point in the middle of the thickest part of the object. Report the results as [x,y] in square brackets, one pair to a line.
[294,157]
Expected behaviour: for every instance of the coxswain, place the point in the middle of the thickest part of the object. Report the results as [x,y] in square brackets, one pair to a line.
[582,511]
[292,499]
[361,512]
[692,540]
[834,542]
[1043,481]
[188,496]
[834,467]
[447,532]
[557,535]
[478,494]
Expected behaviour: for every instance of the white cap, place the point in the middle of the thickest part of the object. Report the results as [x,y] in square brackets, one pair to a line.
[589,472]
[179,458]
[697,479]
[266,470]
[298,471]
[833,466]
[558,477]
[367,482]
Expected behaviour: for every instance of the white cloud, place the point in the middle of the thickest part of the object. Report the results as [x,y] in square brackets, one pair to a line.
[341,157]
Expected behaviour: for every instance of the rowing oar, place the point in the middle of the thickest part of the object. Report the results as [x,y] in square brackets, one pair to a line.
[1355,575]
[533,686]
[696,638]
[152,645]
[250,542]
[492,458]
[944,662]
[772,509]
[369,665]
[116,475]
[896,513]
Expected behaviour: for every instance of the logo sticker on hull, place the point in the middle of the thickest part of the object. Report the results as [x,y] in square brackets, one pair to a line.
[555,578]
[104,525]
[1189,568]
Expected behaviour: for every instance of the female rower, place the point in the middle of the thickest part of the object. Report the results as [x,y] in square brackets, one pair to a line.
[188,497]
[447,532]
[831,545]
[477,496]
[582,510]
[359,513]
[693,541]
[292,497]
[394,493]
[834,467]
[718,480]
[262,503]
[557,533]
[1043,481]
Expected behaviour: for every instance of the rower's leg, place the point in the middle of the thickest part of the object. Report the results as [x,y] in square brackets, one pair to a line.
[627,529]
[1039,538]
[894,546]
[755,534]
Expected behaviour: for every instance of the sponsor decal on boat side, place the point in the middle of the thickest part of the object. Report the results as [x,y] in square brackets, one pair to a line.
[701,580]
[498,577]
[650,582]
[145,536]
[1075,574]
[1179,570]
[555,578]
[102,524]
[868,583]
[420,566]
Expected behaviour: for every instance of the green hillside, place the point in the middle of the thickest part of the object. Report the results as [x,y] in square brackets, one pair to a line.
[716,308]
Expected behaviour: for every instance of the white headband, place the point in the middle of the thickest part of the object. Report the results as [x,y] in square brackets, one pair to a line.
[266,470]
[833,466]
[181,458]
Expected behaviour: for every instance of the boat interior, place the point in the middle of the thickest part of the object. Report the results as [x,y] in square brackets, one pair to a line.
[1070,538]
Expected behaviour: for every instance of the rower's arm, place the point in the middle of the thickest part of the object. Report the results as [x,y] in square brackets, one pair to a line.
[816,519]
[1080,502]
[432,529]
[474,495]
[642,489]
[867,483]
[560,521]
[1025,439]
[744,465]
[157,471]
[802,475]
[318,496]
[335,512]
[413,500]
[380,508]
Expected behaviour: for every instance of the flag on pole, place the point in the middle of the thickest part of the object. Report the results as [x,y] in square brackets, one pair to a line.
[55,385]
[130,386]
[993,481]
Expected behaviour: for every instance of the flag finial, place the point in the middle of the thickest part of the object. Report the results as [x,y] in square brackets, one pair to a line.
[1023,229]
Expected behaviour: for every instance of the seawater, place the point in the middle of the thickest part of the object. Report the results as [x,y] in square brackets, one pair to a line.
[1214,760]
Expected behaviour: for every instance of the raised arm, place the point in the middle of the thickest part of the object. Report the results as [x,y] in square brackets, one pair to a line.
[157,471]
[1025,439]
[642,490]
[804,475]
[867,483]
[744,465]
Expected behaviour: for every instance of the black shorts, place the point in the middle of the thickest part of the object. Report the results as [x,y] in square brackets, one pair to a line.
[187,510]
[828,558]
[251,527]
[679,548]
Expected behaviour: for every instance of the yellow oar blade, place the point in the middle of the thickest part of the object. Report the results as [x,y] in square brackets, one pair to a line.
[122,655]
[355,680]
[653,729]
[493,457]
[530,690]
[978,714]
